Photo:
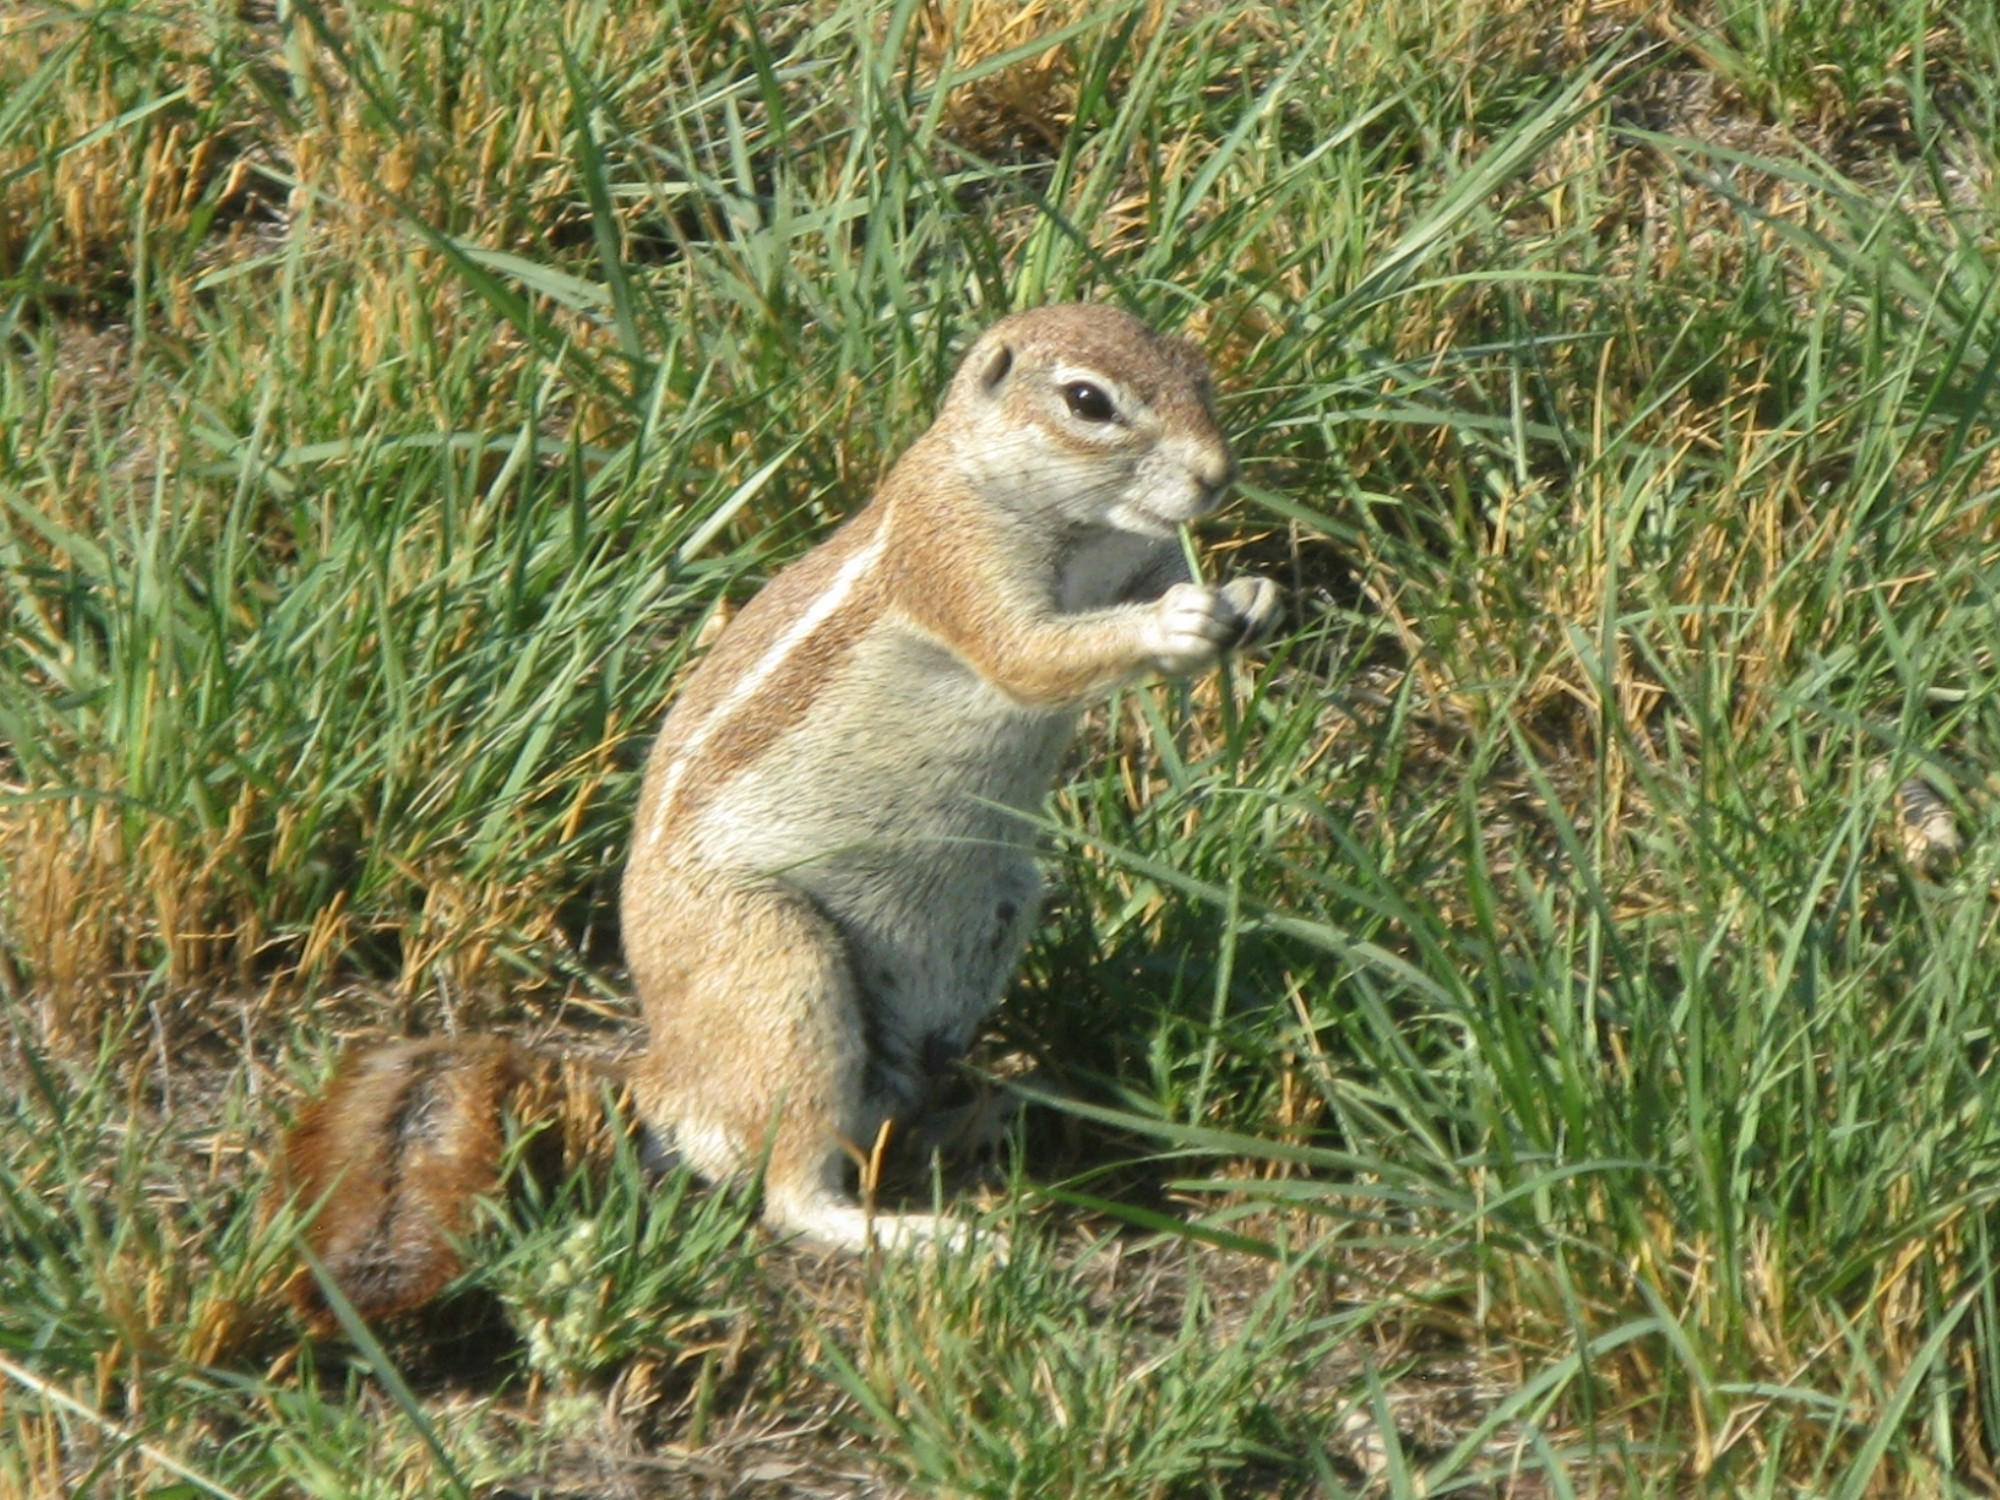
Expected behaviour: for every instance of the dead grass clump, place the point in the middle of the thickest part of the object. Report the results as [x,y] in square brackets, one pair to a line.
[66,914]
[478,135]
[1025,110]
[141,133]
[99,895]
[1028,112]
[153,130]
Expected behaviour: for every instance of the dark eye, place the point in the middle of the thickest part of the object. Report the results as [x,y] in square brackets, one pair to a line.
[1088,402]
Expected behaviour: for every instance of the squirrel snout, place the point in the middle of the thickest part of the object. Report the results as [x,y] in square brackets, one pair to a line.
[1212,473]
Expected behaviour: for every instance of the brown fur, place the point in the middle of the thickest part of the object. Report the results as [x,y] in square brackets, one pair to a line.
[788,694]
[393,1158]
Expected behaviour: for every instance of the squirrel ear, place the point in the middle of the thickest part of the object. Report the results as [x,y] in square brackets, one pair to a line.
[995,369]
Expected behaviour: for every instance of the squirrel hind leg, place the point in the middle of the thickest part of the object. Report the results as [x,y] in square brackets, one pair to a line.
[767,1063]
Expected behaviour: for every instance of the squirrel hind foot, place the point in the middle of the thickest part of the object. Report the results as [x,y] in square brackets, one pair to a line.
[830,1223]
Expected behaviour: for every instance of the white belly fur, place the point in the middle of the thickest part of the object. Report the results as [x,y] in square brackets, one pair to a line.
[899,814]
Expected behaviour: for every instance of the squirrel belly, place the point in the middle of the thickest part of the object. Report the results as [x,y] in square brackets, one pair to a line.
[900,817]
[832,872]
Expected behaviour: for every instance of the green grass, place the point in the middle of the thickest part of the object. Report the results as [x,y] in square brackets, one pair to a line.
[1504,1050]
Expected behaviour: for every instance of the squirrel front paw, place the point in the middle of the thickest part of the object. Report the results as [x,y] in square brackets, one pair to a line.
[1192,626]
[1257,607]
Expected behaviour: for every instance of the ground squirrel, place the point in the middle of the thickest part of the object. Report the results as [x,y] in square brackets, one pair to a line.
[832,871]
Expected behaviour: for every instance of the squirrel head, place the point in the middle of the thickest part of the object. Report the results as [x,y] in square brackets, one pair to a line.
[1083,414]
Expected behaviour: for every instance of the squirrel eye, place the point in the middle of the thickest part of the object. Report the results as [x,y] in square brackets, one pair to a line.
[1088,402]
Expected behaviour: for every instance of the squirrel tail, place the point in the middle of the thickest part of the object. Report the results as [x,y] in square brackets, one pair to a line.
[391,1160]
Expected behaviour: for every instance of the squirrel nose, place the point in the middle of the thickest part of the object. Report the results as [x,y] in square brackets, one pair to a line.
[1214,475]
